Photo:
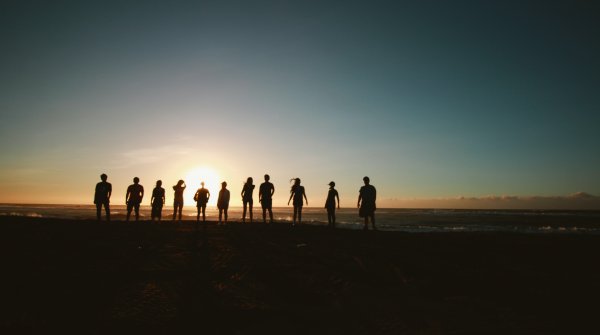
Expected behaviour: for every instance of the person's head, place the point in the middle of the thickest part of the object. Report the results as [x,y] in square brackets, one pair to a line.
[267,177]
[103,177]
[224,185]
[202,184]
[296,183]
[180,182]
[136,180]
[249,181]
[331,184]
[158,183]
[366,180]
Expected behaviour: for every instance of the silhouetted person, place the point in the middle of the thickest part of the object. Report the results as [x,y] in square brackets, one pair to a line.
[366,203]
[297,192]
[157,200]
[247,200]
[201,197]
[330,204]
[102,197]
[178,202]
[265,197]
[223,201]
[133,198]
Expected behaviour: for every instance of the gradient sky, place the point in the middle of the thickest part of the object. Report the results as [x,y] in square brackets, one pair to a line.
[431,99]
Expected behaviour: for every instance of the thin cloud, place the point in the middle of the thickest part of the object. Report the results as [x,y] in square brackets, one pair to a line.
[144,156]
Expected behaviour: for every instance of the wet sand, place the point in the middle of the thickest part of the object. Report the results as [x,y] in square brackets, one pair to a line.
[91,277]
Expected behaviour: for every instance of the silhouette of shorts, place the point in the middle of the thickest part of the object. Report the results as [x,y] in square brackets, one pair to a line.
[132,205]
[366,210]
[267,203]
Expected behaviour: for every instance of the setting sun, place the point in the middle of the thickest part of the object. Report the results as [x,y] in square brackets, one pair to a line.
[194,177]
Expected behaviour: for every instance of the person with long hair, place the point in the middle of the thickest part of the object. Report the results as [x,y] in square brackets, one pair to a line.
[247,198]
[178,202]
[157,201]
[297,193]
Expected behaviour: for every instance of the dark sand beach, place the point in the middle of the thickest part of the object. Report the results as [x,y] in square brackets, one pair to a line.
[88,277]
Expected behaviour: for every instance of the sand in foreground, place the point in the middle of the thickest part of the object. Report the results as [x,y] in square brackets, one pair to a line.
[241,279]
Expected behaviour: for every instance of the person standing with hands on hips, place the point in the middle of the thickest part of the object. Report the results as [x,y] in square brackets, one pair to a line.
[133,198]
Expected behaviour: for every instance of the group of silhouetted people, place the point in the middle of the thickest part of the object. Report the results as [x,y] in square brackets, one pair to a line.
[135,194]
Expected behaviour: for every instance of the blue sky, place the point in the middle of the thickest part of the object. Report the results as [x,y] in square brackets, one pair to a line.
[431,99]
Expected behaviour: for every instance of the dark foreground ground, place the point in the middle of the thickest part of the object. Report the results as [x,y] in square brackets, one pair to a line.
[85,277]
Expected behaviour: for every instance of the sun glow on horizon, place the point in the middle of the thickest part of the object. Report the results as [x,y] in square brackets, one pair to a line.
[194,177]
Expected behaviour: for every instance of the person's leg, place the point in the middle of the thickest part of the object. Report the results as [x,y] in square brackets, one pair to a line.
[98,210]
[366,227]
[244,215]
[299,214]
[373,221]
[180,210]
[225,210]
[295,214]
[204,213]
[333,217]
[250,208]
[270,214]
[107,209]
[129,209]
[220,214]
[174,211]
[137,211]
[264,215]
[159,213]
[198,214]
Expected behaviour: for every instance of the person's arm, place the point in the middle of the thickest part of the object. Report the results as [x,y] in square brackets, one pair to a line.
[291,196]
[359,199]
[304,194]
[163,198]
[152,199]
[260,190]
[141,193]
[243,191]
[338,200]
[207,195]
[127,195]
[109,192]
[272,190]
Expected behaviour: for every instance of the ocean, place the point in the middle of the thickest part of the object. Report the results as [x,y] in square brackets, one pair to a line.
[391,219]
